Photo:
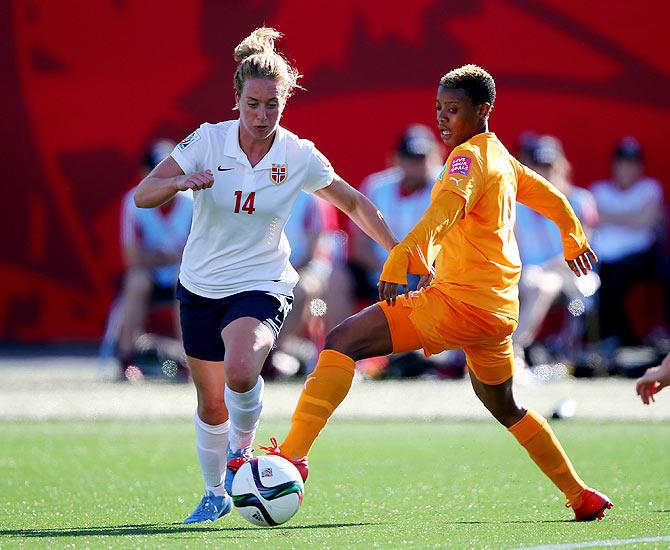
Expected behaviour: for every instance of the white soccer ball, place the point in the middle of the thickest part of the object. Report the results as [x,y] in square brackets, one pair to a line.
[267,490]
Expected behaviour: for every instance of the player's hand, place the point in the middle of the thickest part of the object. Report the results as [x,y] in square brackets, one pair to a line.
[196,181]
[425,280]
[388,292]
[583,263]
[652,382]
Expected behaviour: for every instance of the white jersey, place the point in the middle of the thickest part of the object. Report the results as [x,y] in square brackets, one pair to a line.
[613,241]
[237,241]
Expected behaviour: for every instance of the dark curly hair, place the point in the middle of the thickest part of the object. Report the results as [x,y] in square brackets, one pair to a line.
[475,81]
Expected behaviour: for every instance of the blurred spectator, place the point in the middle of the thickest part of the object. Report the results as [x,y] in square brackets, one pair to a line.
[627,238]
[526,145]
[402,194]
[545,274]
[152,241]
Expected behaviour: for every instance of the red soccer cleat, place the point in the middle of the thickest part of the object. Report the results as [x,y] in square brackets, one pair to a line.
[593,506]
[300,463]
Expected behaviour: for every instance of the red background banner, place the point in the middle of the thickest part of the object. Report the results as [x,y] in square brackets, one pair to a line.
[87,85]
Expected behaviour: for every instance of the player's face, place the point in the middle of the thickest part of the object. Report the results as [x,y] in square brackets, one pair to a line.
[261,105]
[458,119]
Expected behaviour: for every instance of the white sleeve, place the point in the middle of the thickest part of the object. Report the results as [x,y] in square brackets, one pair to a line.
[320,173]
[189,153]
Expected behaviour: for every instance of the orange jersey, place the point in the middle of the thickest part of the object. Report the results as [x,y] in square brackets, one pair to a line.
[468,229]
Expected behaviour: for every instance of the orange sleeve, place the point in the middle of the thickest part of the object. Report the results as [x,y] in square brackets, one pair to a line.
[417,251]
[540,195]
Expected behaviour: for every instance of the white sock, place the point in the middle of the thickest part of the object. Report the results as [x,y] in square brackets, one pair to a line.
[211,442]
[245,411]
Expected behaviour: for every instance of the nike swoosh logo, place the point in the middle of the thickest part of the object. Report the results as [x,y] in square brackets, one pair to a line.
[225,169]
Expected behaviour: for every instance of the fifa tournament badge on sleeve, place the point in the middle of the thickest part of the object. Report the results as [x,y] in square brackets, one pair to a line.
[279,173]
[188,140]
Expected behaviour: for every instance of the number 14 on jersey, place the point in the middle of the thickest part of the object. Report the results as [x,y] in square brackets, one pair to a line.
[248,205]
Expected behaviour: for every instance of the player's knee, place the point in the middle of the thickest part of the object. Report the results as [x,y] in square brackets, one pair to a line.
[241,374]
[506,412]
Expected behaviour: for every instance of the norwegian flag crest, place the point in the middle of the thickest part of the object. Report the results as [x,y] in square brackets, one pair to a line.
[278,173]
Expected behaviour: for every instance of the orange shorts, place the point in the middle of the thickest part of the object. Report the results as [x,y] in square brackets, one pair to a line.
[435,322]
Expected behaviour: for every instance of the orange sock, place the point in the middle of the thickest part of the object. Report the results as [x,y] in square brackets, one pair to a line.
[325,388]
[535,434]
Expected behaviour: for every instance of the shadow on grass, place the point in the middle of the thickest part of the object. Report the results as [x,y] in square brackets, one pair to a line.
[157,529]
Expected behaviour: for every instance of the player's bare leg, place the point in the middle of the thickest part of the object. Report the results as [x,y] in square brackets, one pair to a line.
[499,400]
[534,433]
[248,342]
[361,336]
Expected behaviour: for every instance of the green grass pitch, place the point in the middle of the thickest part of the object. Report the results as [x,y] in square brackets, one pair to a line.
[116,484]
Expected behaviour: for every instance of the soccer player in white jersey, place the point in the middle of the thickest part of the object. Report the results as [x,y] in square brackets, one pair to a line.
[236,279]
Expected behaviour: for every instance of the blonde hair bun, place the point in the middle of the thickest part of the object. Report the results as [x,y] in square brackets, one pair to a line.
[261,40]
[257,58]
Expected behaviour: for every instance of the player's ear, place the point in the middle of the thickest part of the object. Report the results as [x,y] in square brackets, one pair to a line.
[485,110]
[237,102]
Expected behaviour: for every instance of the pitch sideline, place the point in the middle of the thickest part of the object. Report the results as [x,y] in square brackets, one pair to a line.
[595,543]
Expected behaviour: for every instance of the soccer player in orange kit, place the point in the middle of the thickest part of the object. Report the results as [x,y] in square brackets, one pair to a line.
[472,301]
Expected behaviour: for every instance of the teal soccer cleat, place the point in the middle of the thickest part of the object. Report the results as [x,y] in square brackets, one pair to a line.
[211,508]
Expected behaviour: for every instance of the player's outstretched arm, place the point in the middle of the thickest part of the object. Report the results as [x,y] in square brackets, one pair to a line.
[166,180]
[540,195]
[417,251]
[653,381]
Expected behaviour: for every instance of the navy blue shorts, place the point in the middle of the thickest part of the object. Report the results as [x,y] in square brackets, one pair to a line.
[203,319]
